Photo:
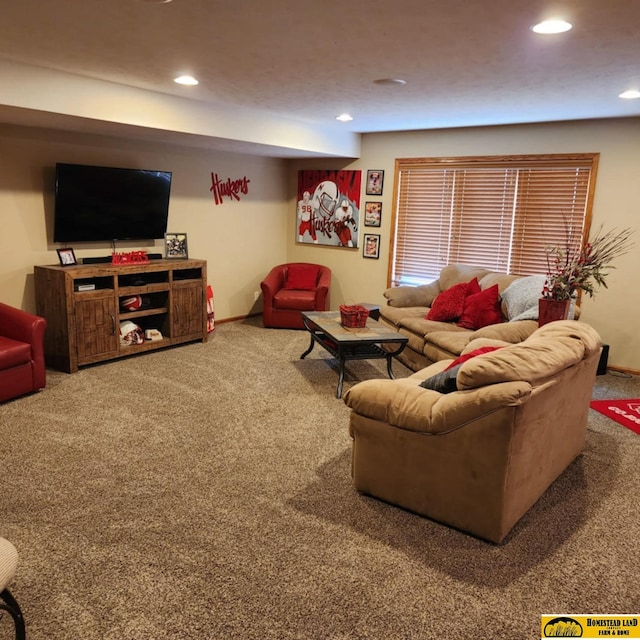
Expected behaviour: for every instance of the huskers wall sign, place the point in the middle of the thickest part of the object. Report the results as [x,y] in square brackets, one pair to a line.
[228,188]
[328,209]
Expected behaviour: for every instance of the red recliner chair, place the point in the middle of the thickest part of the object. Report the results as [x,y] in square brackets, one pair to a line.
[292,288]
[22,368]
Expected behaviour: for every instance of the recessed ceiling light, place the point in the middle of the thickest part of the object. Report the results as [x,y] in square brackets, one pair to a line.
[188,80]
[155,1]
[344,117]
[390,82]
[552,26]
[630,94]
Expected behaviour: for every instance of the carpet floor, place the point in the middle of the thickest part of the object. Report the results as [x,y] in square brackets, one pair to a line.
[205,492]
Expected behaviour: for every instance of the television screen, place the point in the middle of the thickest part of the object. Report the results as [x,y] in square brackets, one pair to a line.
[108,203]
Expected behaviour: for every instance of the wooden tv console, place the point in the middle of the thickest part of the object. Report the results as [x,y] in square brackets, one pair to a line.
[83,326]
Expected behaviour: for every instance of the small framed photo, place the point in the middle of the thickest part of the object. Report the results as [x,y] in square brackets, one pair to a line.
[375,182]
[67,257]
[175,245]
[371,246]
[372,214]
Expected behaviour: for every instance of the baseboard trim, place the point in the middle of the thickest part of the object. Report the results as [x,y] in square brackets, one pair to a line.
[631,372]
[236,318]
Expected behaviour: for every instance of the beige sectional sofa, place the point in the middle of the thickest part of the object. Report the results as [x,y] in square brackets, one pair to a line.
[479,457]
[431,341]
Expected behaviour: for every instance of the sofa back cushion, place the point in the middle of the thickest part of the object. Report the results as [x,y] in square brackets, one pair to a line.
[456,273]
[302,276]
[542,355]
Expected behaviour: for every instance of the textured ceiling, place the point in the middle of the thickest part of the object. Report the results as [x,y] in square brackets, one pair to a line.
[466,62]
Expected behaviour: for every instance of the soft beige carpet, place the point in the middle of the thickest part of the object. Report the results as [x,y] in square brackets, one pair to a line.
[204,492]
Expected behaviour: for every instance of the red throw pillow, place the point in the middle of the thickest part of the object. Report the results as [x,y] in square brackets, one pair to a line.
[472,354]
[301,276]
[448,305]
[481,309]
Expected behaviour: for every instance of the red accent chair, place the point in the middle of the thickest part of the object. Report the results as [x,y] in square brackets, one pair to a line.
[22,368]
[292,288]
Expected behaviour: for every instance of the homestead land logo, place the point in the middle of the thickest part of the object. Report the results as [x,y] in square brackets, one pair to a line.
[229,188]
[591,626]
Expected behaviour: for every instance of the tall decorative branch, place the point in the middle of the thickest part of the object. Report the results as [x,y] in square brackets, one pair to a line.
[581,268]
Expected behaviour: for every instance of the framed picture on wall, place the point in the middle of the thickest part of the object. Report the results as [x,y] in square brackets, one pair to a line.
[67,257]
[371,246]
[375,182]
[372,214]
[175,245]
[328,211]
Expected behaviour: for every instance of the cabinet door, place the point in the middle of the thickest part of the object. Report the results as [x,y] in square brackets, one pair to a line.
[187,318]
[97,331]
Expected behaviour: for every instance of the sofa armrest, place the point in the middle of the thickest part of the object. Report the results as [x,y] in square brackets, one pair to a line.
[404,404]
[21,326]
[273,282]
[405,296]
[324,281]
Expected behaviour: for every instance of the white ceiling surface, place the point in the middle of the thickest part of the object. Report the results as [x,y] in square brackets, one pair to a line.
[268,67]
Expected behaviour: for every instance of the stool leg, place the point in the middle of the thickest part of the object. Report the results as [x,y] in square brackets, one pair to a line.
[14,610]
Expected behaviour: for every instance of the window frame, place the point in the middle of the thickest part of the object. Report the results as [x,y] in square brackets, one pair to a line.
[523,163]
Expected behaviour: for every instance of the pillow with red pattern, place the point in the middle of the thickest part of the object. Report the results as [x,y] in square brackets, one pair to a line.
[301,276]
[481,309]
[449,304]
[472,354]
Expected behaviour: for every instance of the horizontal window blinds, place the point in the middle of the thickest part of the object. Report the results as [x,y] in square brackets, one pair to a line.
[496,213]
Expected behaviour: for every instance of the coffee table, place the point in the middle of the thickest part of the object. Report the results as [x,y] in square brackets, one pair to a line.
[346,343]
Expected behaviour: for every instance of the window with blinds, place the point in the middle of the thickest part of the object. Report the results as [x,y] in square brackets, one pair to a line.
[494,212]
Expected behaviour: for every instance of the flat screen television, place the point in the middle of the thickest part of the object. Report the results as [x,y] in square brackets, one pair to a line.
[108,203]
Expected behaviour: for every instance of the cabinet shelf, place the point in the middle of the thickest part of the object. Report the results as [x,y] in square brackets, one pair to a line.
[146,288]
[130,315]
[147,345]
[83,326]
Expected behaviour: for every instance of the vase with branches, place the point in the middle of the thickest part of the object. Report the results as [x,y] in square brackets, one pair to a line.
[577,267]
[571,268]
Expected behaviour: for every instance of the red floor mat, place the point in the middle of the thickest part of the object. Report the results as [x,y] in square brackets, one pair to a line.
[624,412]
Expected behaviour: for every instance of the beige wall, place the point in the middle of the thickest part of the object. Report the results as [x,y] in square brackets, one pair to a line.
[613,311]
[240,240]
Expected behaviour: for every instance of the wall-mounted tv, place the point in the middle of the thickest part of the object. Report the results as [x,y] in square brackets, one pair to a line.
[108,203]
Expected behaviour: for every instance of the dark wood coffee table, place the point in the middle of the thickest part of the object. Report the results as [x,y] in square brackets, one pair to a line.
[347,344]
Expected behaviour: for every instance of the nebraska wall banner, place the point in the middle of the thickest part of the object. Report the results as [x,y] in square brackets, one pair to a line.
[328,209]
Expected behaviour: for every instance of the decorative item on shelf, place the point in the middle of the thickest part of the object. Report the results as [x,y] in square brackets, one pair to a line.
[353,316]
[129,257]
[130,334]
[176,245]
[67,257]
[575,268]
[135,303]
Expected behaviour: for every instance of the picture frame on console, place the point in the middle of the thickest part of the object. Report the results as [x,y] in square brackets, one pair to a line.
[67,257]
[175,245]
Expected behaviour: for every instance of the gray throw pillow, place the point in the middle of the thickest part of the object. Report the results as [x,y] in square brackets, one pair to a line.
[521,298]
[443,382]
